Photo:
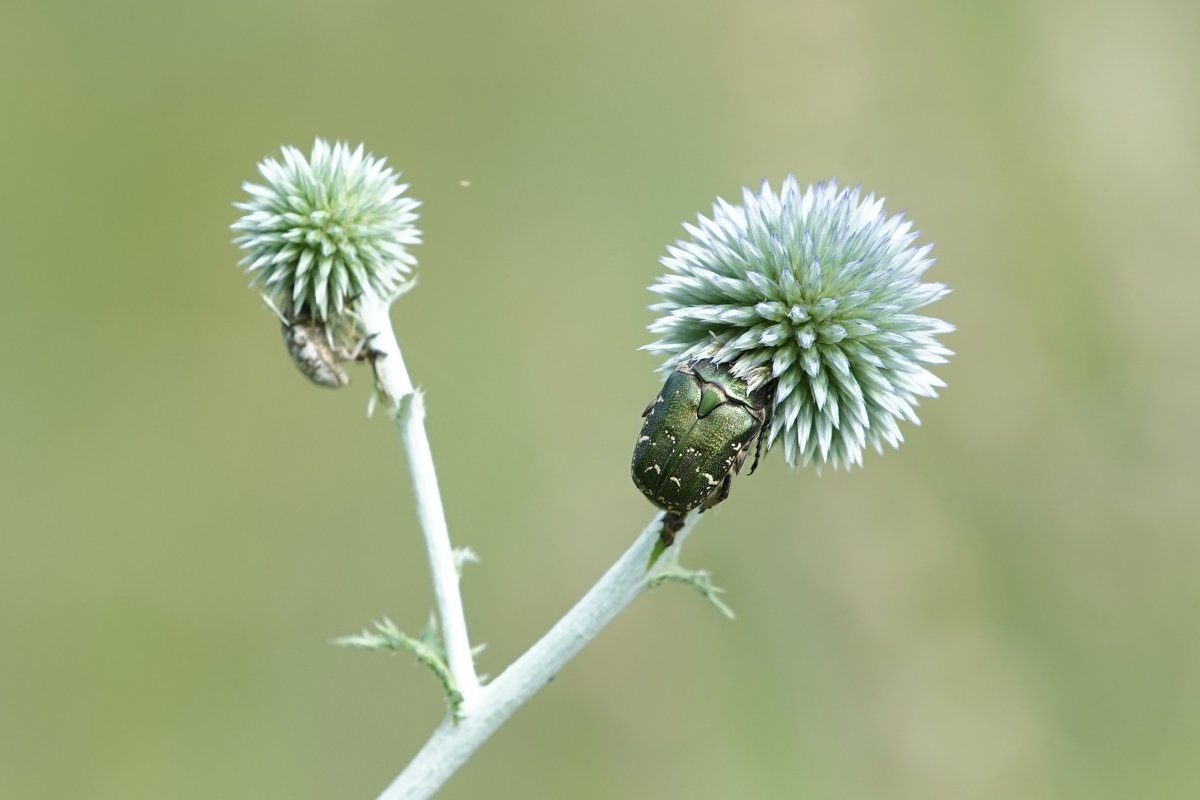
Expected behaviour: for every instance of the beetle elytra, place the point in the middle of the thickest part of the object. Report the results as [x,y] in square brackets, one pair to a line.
[696,436]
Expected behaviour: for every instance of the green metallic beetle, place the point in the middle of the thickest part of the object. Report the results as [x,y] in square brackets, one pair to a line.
[697,433]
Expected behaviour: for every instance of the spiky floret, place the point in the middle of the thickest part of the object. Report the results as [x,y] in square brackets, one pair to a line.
[327,229]
[815,290]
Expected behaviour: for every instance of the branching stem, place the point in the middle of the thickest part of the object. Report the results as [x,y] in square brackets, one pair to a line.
[453,742]
[485,708]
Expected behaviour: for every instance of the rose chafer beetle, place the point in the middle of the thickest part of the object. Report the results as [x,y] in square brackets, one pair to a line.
[697,434]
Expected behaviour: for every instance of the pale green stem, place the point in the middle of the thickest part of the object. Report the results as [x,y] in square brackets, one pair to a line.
[407,407]
[453,742]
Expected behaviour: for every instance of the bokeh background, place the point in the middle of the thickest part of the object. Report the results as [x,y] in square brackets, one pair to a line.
[1006,607]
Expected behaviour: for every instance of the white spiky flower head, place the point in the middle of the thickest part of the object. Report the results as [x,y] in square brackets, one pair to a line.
[814,290]
[325,230]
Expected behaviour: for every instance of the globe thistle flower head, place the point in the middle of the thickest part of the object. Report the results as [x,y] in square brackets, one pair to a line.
[815,292]
[325,230]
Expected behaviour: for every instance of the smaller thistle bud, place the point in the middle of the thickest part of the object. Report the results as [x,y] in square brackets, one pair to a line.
[813,293]
[326,230]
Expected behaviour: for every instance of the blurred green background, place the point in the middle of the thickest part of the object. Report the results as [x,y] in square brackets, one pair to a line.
[1007,607]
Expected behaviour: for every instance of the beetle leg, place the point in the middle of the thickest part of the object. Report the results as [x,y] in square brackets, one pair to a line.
[719,494]
[367,352]
[768,417]
[757,453]
[354,353]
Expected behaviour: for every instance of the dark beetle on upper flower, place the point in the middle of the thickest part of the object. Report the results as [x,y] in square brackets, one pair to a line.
[697,433]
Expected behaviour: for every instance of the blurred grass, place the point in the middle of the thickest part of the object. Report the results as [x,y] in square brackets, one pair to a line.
[1004,608]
